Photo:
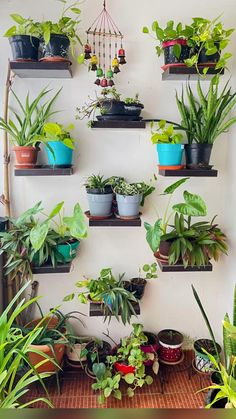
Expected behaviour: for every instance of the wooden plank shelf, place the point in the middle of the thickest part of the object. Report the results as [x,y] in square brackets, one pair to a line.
[96,310]
[180,268]
[188,173]
[188,73]
[45,171]
[115,222]
[49,269]
[119,124]
[41,69]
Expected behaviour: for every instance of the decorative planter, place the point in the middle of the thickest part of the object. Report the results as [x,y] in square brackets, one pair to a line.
[171,343]
[134,110]
[198,155]
[74,353]
[219,404]
[102,352]
[100,203]
[170,154]
[57,354]
[169,56]
[68,251]
[124,368]
[57,49]
[112,107]
[138,287]
[202,362]
[208,59]
[128,206]
[151,347]
[24,47]
[63,155]
[26,157]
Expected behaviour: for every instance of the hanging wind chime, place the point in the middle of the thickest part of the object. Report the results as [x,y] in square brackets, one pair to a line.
[102,50]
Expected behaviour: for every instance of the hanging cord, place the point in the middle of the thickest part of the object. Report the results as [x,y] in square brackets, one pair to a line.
[104,4]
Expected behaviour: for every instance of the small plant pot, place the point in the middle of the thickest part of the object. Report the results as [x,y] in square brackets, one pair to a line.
[100,203]
[57,354]
[26,157]
[198,155]
[3,224]
[202,362]
[74,353]
[124,368]
[170,154]
[24,47]
[138,287]
[151,347]
[112,107]
[171,343]
[169,56]
[134,110]
[208,59]
[102,352]
[128,206]
[62,155]
[57,49]
[219,404]
[67,251]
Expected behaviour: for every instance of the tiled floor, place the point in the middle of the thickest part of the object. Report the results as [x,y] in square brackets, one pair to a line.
[180,391]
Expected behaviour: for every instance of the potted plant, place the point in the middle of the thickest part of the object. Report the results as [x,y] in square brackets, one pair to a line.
[60,144]
[172,41]
[59,37]
[151,348]
[169,147]
[203,347]
[171,343]
[130,196]
[133,106]
[137,285]
[76,354]
[97,351]
[24,38]
[100,196]
[25,130]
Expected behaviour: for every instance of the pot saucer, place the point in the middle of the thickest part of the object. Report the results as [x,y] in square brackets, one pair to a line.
[91,217]
[128,218]
[25,166]
[200,167]
[180,167]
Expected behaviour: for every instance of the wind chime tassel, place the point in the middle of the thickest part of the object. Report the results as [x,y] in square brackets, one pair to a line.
[121,55]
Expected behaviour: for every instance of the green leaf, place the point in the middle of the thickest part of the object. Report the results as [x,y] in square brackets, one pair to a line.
[153,235]
[56,210]
[145,29]
[82,298]
[118,394]
[130,392]
[149,380]
[107,392]
[194,206]
[81,58]
[146,268]
[177,50]
[171,189]
[38,235]
[101,399]
[76,224]
[129,378]
[76,10]
[10,32]
[99,369]
[69,297]
[18,19]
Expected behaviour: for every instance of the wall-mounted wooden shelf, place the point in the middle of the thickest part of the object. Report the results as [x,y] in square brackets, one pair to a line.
[45,171]
[180,268]
[115,222]
[188,73]
[189,173]
[41,69]
[119,124]
[96,310]
[49,269]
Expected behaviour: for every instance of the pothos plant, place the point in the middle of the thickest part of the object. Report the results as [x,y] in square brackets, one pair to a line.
[164,134]
[23,26]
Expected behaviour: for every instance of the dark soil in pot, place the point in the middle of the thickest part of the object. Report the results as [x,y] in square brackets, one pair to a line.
[127,286]
[216,378]
[170,337]
[112,107]
[220,404]
[169,47]
[138,287]
[24,47]
[101,351]
[198,155]
[206,344]
[57,49]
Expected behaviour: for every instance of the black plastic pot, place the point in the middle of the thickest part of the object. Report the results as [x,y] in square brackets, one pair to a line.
[102,352]
[169,56]
[164,249]
[24,47]
[198,155]
[134,110]
[3,224]
[112,107]
[220,404]
[204,59]
[57,49]
[138,287]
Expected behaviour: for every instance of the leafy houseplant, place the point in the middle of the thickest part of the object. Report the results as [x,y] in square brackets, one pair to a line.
[24,132]
[60,144]
[100,196]
[130,196]
[109,293]
[137,285]
[133,106]
[171,342]
[169,147]
[24,38]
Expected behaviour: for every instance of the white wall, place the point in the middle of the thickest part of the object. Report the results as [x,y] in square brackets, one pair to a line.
[168,301]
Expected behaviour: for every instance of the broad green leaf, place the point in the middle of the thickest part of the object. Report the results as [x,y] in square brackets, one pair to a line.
[130,392]
[153,235]
[99,369]
[129,378]
[69,297]
[171,189]
[18,19]
[149,380]
[76,224]
[194,206]
[38,235]
[56,210]
[80,59]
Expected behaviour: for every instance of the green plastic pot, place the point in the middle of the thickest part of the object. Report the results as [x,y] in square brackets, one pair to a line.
[68,251]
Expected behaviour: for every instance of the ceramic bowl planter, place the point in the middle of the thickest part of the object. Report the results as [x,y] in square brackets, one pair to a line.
[100,203]
[26,157]
[67,251]
[170,154]
[128,206]
[63,155]
[57,48]
[134,110]
[112,107]
[151,347]
[24,47]
[170,57]
[171,343]
[198,155]
[202,362]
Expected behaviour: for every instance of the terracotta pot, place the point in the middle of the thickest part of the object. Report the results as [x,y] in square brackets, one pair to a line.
[26,157]
[124,369]
[59,350]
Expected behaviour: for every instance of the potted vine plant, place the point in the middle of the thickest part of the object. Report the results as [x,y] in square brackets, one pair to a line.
[130,196]
[133,106]
[24,134]
[137,285]
[100,196]
[24,38]
[151,349]
[96,351]
[60,144]
[169,147]
[171,342]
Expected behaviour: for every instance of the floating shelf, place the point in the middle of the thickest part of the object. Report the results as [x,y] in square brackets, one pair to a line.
[49,269]
[189,173]
[96,310]
[119,124]
[41,69]
[115,222]
[188,73]
[44,171]
[180,268]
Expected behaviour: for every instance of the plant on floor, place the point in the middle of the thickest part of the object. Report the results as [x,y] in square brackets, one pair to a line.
[25,26]
[164,134]
[130,189]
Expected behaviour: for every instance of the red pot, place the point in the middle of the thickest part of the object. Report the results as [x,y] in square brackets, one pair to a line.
[26,157]
[150,348]
[124,369]
[170,354]
[174,42]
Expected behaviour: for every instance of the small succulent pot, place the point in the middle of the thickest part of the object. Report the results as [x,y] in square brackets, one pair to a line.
[198,155]
[112,107]
[171,343]
[24,47]
[128,206]
[57,49]
[62,155]
[219,404]
[67,251]
[138,287]
[208,59]
[170,154]
[102,352]
[134,110]
[169,56]
[151,347]
[124,368]
[202,361]
[100,203]
[26,157]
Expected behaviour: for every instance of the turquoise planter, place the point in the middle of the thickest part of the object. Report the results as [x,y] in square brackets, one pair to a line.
[62,155]
[68,251]
[170,154]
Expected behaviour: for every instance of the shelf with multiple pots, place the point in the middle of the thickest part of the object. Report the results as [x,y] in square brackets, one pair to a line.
[50,269]
[119,124]
[188,172]
[182,72]
[45,171]
[179,267]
